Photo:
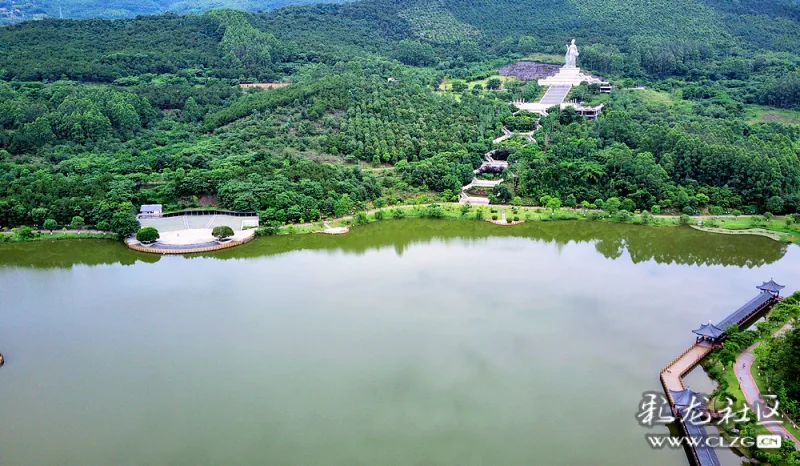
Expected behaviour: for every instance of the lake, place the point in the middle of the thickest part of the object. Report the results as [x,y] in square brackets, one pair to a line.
[413,342]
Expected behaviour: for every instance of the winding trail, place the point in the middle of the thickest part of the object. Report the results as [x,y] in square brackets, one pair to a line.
[742,369]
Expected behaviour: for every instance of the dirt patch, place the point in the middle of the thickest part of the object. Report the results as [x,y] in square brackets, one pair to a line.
[479,191]
[529,70]
[208,200]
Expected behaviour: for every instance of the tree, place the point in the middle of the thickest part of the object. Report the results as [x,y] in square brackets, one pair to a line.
[494,84]
[222,232]
[124,223]
[775,204]
[656,209]
[380,202]
[343,206]
[553,204]
[77,223]
[627,204]
[479,213]
[530,91]
[38,215]
[147,235]
[415,53]
[526,45]
[191,110]
[502,192]
[585,206]
[612,205]
[50,224]
[458,85]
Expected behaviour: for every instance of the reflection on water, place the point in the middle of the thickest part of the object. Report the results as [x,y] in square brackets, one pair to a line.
[401,343]
[664,245]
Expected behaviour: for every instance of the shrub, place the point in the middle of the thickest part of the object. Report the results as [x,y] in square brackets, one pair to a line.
[656,209]
[685,219]
[147,235]
[269,228]
[398,213]
[222,232]
[646,217]
[379,215]
[715,210]
[479,214]
[434,211]
[77,223]
[593,216]
[25,233]
[767,215]
[736,212]
[494,216]
[361,218]
[103,225]
[50,224]
[516,218]
[623,215]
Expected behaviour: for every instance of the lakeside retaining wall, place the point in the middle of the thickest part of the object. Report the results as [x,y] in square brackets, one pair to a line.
[217,247]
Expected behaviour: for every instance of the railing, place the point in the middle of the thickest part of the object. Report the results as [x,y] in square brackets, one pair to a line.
[210,212]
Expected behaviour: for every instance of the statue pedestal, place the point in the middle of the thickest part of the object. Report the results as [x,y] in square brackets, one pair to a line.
[568,76]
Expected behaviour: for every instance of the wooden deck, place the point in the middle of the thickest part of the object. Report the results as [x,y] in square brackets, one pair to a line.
[672,375]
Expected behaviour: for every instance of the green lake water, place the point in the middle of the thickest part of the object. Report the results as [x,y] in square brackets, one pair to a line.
[401,343]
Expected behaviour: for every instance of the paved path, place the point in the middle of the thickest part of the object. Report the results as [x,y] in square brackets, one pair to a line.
[742,369]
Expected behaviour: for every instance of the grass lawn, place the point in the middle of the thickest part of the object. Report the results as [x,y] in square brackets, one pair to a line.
[762,387]
[736,390]
[448,84]
[760,114]
[545,58]
[650,95]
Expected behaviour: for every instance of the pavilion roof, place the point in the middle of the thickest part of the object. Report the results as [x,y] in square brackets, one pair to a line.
[709,330]
[683,398]
[770,286]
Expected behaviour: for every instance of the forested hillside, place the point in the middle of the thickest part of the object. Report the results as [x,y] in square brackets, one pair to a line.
[14,11]
[99,116]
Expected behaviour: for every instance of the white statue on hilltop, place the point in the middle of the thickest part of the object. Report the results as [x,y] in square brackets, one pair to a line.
[572,55]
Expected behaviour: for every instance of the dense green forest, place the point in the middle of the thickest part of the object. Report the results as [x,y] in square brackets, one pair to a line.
[99,116]
[14,11]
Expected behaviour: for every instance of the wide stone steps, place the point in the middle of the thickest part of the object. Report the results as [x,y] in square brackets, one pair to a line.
[555,95]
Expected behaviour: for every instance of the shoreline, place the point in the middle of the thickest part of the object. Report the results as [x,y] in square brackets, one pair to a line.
[495,214]
[453,211]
